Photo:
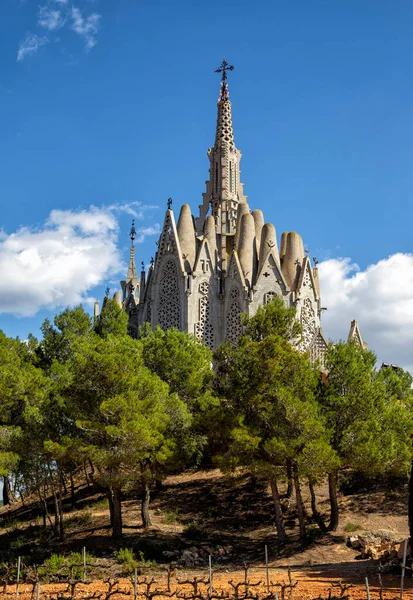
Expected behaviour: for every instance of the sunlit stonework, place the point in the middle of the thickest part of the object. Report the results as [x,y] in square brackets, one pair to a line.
[226,261]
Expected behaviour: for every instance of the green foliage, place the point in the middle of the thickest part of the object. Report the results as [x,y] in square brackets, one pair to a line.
[369,425]
[268,393]
[58,339]
[180,360]
[170,516]
[350,527]
[82,518]
[273,319]
[126,558]
[112,320]
[193,529]
[52,565]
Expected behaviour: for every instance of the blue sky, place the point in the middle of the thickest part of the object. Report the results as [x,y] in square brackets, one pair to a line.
[112,104]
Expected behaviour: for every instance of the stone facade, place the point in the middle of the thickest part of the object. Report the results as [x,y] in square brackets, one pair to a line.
[209,269]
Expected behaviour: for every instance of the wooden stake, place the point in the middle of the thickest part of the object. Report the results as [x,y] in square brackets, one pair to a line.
[135,584]
[38,591]
[367,588]
[84,564]
[210,575]
[18,576]
[266,568]
[403,568]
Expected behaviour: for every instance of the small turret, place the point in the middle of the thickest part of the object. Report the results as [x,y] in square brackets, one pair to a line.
[268,243]
[246,251]
[117,299]
[259,224]
[243,209]
[210,236]
[96,311]
[293,258]
[186,235]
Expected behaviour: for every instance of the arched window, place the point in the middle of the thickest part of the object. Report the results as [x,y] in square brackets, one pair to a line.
[230,176]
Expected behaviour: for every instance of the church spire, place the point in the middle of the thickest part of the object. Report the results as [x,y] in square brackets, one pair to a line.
[132,274]
[224,131]
[130,285]
[224,188]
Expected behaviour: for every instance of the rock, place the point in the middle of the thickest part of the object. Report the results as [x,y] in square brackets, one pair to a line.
[188,558]
[170,553]
[354,542]
[377,544]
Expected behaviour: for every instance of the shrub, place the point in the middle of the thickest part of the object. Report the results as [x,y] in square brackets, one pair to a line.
[126,558]
[171,517]
[80,518]
[52,565]
[350,527]
[192,529]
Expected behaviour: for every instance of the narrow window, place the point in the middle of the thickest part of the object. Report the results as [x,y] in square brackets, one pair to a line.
[230,176]
[216,177]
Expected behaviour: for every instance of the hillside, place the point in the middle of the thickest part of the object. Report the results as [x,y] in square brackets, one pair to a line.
[222,515]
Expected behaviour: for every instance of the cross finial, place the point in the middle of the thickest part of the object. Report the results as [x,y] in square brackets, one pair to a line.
[169,203]
[223,69]
[224,86]
[143,266]
[132,233]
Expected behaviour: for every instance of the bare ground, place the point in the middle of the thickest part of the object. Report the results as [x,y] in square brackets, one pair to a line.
[208,510]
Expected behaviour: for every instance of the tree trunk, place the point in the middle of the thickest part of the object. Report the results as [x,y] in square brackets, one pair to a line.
[410,504]
[279,521]
[86,475]
[289,493]
[332,488]
[109,495]
[300,505]
[60,507]
[146,497]
[6,491]
[72,491]
[116,513]
[316,515]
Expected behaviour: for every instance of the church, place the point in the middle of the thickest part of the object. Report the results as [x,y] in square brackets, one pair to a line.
[210,268]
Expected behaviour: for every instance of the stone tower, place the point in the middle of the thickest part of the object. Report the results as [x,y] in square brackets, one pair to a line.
[209,269]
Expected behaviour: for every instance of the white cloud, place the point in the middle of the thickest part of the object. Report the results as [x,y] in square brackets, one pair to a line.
[30,45]
[86,27]
[135,209]
[380,298]
[50,18]
[59,263]
[143,232]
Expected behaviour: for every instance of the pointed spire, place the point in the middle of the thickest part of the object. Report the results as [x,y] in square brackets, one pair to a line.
[355,335]
[132,275]
[224,188]
[224,133]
